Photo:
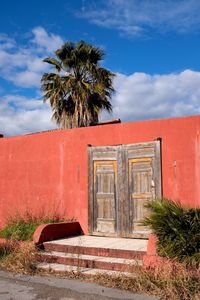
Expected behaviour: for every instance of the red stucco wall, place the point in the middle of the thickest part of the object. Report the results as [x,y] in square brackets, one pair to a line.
[47,172]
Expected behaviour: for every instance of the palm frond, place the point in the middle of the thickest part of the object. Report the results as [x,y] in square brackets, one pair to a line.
[53,62]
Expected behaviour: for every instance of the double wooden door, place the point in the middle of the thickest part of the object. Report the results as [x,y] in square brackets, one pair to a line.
[121,180]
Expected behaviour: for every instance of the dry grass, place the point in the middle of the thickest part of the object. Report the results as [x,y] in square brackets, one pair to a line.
[175,281]
[21,258]
[170,281]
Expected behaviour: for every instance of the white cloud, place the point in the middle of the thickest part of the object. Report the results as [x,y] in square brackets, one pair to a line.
[26,79]
[22,64]
[136,17]
[142,96]
[46,41]
[6,42]
[20,115]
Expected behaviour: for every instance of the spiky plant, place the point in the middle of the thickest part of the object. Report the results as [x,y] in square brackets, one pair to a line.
[79,88]
[177,229]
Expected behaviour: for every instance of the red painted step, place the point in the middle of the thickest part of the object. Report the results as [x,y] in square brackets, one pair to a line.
[90,261]
[127,254]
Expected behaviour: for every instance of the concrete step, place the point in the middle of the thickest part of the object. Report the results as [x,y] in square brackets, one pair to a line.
[90,261]
[61,268]
[88,253]
[100,246]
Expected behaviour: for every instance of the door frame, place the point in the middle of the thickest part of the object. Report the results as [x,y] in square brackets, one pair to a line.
[124,153]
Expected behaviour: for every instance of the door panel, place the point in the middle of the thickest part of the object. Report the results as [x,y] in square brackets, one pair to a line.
[105,196]
[141,189]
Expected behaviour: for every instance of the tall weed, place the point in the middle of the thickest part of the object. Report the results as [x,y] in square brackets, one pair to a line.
[22,227]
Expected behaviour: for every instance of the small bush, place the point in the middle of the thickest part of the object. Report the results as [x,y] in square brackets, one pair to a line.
[22,228]
[177,229]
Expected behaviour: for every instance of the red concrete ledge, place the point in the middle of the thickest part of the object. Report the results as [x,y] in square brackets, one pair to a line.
[151,259]
[54,231]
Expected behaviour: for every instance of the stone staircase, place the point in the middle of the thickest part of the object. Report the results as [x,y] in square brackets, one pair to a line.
[90,255]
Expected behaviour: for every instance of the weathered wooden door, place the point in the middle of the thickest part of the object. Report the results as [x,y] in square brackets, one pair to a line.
[121,180]
[103,190]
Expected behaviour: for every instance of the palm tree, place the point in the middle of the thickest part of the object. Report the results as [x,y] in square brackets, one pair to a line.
[79,89]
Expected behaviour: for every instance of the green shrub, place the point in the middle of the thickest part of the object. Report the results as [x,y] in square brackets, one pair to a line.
[22,229]
[177,229]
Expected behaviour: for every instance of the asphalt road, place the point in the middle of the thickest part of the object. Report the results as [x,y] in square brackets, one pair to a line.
[22,287]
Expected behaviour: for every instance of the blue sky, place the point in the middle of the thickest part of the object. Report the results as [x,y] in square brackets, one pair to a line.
[153,47]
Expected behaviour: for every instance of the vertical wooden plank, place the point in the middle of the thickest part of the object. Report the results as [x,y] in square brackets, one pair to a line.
[123,203]
[119,193]
[158,169]
[126,223]
[90,189]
